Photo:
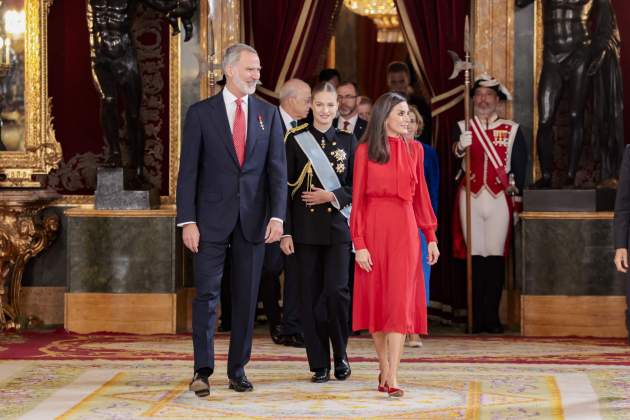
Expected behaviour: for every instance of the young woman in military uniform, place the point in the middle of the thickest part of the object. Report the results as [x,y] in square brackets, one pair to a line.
[320,159]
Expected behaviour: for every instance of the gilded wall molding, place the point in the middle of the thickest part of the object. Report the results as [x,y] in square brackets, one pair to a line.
[493,45]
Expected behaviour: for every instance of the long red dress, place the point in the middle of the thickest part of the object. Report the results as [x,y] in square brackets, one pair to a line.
[389,203]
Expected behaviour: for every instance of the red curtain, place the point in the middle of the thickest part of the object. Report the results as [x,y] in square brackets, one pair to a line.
[622,10]
[76,104]
[431,28]
[372,78]
[291,38]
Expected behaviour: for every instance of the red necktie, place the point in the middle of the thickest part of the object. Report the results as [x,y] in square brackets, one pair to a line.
[238,132]
[346,125]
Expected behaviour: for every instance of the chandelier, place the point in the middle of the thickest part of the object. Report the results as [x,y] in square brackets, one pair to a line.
[384,15]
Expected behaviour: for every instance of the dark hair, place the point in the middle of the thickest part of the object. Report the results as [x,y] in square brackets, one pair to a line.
[350,83]
[398,67]
[375,135]
[327,74]
[323,87]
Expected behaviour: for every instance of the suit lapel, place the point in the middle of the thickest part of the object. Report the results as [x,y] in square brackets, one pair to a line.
[220,119]
[253,125]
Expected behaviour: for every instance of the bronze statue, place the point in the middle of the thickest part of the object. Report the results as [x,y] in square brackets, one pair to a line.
[115,68]
[573,54]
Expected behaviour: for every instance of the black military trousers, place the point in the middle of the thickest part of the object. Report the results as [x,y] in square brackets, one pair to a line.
[324,300]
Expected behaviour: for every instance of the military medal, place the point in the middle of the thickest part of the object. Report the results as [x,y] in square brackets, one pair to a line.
[260,122]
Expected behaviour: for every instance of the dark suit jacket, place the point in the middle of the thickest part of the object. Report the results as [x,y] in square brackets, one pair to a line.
[621,222]
[213,190]
[359,127]
[322,224]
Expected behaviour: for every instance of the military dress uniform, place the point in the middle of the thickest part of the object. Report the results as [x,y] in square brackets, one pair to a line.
[491,213]
[321,238]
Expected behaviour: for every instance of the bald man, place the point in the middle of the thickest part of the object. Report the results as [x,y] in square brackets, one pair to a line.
[295,102]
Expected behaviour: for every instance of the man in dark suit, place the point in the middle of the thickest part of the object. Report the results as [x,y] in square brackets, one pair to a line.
[231,192]
[399,80]
[349,120]
[621,225]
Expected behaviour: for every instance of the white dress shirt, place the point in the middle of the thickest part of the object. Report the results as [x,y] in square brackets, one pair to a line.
[230,107]
[352,121]
[286,118]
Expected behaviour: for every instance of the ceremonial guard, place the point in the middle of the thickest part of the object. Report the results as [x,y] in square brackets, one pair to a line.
[320,160]
[498,156]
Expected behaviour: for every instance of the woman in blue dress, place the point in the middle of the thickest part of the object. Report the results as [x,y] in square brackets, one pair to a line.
[432,176]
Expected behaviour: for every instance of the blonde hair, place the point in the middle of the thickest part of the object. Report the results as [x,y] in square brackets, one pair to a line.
[419,120]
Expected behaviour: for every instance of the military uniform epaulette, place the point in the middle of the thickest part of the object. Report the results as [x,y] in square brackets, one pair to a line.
[295,130]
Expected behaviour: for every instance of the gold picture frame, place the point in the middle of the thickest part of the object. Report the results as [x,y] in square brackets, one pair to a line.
[41,152]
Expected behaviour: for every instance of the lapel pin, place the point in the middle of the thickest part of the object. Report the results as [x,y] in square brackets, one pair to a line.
[260,122]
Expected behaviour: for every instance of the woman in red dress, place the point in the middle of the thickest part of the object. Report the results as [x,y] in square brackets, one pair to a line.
[390,202]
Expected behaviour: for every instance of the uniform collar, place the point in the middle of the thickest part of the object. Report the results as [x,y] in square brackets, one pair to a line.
[329,134]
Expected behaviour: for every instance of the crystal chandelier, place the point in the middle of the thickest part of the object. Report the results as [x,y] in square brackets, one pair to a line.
[384,15]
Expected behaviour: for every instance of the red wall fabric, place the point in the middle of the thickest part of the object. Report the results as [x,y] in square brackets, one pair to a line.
[622,10]
[438,26]
[373,58]
[75,99]
[270,27]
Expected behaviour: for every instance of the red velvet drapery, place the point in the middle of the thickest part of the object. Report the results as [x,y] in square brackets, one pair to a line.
[432,28]
[622,10]
[290,37]
[373,58]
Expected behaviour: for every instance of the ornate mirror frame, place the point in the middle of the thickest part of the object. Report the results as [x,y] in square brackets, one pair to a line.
[42,152]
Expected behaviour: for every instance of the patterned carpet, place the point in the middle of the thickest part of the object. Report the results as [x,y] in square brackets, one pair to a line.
[109,376]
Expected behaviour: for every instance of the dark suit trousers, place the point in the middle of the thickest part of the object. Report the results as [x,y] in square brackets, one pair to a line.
[270,283]
[325,300]
[291,297]
[247,260]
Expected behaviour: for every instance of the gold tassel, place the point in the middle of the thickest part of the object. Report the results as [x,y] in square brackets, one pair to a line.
[307,172]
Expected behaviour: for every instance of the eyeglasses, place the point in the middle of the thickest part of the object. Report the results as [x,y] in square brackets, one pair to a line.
[346,97]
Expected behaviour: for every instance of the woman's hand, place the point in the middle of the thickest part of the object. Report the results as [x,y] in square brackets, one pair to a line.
[317,196]
[286,245]
[364,259]
[434,253]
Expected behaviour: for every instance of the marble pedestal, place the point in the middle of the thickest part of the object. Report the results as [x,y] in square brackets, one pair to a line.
[124,272]
[570,285]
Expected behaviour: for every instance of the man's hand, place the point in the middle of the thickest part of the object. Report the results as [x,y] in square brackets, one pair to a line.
[621,259]
[364,259]
[286,245]
[190,236]
[433,252]
[274,231]
[317,196]
[465,140]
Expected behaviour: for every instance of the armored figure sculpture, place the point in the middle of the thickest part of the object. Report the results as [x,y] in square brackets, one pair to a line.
[116,74]
[574,54]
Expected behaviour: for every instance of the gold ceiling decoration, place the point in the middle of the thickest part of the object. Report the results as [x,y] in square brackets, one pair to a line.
[384,15]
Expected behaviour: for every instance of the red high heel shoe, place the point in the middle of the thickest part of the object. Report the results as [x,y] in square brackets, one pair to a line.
[382,388]
[395,392]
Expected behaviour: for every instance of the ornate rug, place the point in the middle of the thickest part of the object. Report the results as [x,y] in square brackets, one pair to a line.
[60,345]
[112,376]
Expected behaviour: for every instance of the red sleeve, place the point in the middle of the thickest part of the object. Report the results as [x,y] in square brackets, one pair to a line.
[357,215]
[422,208]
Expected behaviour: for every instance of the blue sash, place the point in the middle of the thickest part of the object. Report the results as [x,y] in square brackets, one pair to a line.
[321,165]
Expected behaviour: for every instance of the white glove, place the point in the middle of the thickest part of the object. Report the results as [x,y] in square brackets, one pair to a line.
[465,140]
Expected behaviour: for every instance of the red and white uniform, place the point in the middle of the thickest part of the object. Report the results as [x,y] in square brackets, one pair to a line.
[491,208]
